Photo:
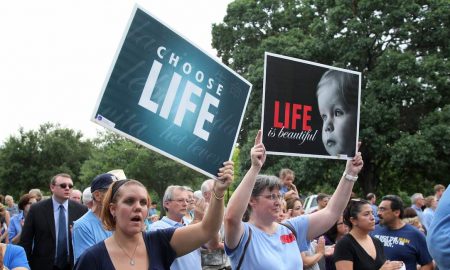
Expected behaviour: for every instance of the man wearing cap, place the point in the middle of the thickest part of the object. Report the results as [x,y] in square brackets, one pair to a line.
[88,230]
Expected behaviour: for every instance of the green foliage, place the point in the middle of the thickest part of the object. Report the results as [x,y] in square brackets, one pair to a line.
[30,159]
[401,48]
[155,171]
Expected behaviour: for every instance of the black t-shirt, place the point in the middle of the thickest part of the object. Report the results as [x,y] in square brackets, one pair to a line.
[160,253]
[348,249]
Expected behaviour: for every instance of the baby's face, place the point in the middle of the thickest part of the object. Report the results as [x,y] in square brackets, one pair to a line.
[338,121]
[288,179]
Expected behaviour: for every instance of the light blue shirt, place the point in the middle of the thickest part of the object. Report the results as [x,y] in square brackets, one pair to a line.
[189,261]
[15,257]
[283,189]
[56,217]
[375,213]
[418,211]
[14,226]
[14,210]
[276,251]
[427,217]
[87,231]
[438,235]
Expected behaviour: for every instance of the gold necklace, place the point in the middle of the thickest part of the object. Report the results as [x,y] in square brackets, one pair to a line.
[132,261]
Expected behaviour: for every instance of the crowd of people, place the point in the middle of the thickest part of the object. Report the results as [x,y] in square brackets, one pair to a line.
[113,224]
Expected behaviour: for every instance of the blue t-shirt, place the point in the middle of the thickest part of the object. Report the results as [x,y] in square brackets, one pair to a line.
[438,235]
[406,244]
[152,211]
[418,211]
[14,210]
[427,217]
[192,260]
[87,231]
[14,226]
[283,189]
[277,251]
[15,257]
[375,213]
[160,253]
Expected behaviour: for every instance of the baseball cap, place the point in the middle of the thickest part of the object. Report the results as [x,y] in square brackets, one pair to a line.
[119,173]
[102,181]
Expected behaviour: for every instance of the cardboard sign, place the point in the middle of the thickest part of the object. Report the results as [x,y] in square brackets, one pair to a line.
[310,109]
[168,95]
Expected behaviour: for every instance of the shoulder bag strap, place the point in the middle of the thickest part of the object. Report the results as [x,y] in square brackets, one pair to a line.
[245,248]
[289,226]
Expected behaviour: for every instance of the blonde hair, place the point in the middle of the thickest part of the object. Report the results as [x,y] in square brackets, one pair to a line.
[284,172]
[414,221]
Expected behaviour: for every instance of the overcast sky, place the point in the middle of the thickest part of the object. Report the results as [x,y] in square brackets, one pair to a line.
[55,55]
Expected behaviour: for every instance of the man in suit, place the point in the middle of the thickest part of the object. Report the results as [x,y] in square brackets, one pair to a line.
[46,234]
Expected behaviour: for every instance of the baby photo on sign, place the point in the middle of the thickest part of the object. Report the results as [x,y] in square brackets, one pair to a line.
[310,109]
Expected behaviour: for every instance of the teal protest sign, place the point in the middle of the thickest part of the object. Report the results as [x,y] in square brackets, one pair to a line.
[168,95]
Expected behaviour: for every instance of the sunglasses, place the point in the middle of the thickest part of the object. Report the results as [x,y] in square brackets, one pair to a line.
[64,185]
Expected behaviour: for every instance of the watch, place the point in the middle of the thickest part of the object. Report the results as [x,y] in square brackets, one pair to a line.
[350,177]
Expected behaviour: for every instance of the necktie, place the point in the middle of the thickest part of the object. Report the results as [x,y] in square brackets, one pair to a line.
[61,253]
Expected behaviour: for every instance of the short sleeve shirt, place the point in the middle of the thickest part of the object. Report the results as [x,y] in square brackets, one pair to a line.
[87,231]
[348,249]
[15,257]
[271,251]
[406,244]
[192,260]
[160,252]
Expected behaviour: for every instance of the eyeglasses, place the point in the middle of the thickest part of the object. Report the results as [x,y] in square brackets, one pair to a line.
[181,200]
[382,209]
[64,185]
[273,197]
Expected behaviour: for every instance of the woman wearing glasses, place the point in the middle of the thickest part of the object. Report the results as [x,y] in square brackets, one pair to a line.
[358,250]
[125,207]
[262,243]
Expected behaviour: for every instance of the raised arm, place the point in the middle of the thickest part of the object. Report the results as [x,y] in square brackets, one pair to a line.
[241,196]
[322,220]
[189,238]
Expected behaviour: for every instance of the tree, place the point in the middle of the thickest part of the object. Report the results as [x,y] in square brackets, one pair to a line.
[155,171]
[30,159]
[401,48]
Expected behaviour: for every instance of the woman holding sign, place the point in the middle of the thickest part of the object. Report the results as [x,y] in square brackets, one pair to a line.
[125,207]
[262,243]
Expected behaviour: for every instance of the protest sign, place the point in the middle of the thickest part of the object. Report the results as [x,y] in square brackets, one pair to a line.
[168,95]
[309,109]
